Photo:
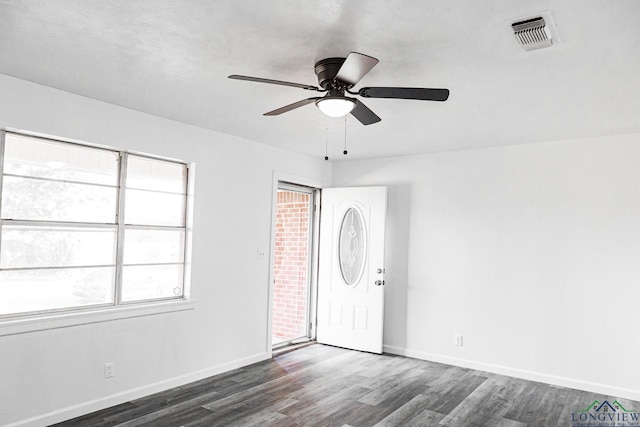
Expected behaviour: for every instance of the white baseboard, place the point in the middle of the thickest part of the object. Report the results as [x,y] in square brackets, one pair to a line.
[605,389]
[126,396]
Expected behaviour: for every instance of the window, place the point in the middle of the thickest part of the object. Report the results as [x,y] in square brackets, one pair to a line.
[84,226]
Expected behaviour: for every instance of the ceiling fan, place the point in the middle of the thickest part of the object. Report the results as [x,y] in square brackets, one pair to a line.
[336,77]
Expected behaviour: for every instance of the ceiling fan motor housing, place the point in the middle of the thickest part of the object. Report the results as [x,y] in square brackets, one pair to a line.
[326,70]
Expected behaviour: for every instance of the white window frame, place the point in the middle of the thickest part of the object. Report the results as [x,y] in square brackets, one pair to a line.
[58,318]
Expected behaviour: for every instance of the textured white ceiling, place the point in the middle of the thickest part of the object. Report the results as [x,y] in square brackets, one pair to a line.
[172,59]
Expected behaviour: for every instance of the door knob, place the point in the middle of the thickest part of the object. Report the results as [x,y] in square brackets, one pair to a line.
[379,283]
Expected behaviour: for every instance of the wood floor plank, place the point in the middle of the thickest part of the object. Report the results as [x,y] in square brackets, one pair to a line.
[322,385]
[492,422]
[369,415]
[522,410]
[425,418]
[487,404]
[577,400]
[394,386]
[173,418]
[161,415]
[317,409]
[97,419]
[230,409]
[412,413]
[269,416]
[445,396]
[336,376]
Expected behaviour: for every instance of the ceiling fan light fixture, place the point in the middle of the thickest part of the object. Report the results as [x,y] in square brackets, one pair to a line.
[335,106]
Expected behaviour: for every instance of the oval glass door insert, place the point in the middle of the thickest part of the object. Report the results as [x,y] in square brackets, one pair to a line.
[352,246]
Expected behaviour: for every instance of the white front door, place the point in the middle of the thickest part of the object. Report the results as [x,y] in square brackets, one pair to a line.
[351,268]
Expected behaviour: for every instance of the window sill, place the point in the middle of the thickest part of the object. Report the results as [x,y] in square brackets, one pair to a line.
[69,319]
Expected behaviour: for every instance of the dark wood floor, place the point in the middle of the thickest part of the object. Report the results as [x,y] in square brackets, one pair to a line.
[326,386]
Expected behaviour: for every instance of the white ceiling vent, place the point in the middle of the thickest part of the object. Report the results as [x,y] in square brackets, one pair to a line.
[535,32]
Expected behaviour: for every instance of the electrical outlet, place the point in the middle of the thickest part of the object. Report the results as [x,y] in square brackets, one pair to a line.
[108,370]
[457,340]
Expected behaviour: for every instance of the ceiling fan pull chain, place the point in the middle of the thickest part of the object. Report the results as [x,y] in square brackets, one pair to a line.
[345,136]
[326,144]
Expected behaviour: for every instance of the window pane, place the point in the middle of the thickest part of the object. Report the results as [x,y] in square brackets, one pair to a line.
[28,246]
[61,249]
[57,160]
[32,199]
[36,290]
[150,208]
[157,175]
[151,282]
[153,246]
[352,247]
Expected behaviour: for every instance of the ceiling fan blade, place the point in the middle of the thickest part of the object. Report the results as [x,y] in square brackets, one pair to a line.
[355,67]
[419,93]
[364,114]
[291,107]
[273,82]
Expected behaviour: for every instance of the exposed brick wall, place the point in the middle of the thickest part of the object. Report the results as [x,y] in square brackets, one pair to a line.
[291,264]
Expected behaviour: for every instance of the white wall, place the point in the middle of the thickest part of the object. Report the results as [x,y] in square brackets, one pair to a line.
[531,252]
[60,372]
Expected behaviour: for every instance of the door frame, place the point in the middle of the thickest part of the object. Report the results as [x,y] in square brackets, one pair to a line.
[316,187]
